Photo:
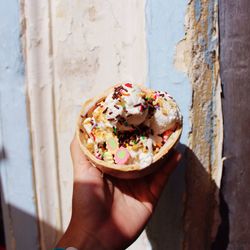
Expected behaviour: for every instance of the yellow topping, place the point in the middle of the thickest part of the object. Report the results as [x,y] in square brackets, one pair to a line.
[98,114]
[100,134]
[164,111]
[86,121]
[137,146]
[108,157]
[90,145]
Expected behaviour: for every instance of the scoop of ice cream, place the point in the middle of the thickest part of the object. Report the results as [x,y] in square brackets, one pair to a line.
[166,115]
[126,106]
[135,106]
[142,152]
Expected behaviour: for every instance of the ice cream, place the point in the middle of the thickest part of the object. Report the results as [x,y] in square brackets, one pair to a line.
[130,125]
[166,116]
[126,106]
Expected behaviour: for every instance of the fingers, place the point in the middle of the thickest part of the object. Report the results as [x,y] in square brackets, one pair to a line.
[78,157]
[159,179]
[82,167]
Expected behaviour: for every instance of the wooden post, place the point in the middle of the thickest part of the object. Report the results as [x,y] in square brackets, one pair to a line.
[234,230]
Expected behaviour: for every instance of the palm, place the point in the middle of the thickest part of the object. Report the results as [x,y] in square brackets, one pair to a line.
[116,210]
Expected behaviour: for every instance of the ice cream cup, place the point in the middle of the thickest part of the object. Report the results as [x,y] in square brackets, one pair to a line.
[125,171]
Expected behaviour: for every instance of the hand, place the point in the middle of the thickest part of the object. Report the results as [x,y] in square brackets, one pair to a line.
[110,213]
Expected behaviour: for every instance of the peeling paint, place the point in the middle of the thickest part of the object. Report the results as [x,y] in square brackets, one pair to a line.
[76,49]
[204,167]
[168,66]
[198,9]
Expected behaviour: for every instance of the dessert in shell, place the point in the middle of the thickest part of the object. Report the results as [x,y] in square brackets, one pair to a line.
[129,130]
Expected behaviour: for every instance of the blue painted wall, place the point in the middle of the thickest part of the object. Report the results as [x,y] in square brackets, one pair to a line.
[165,28]
[16,163]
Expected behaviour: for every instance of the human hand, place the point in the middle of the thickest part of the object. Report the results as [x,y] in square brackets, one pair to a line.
[110,213]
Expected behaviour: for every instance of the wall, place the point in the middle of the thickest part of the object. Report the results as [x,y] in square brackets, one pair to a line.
[16,183]
[76,49]
[165,229]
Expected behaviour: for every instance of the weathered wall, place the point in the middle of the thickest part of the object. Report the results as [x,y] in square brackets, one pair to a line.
[95,44]
[196,55]
[165,28]
[73,50]
[204,163]
[76,49]
[16,183]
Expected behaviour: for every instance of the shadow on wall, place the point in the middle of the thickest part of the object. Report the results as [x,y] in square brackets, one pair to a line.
[185,213]
[22,227]
[165,229]
[2,239]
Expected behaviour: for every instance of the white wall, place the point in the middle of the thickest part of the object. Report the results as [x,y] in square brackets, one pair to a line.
[74,50]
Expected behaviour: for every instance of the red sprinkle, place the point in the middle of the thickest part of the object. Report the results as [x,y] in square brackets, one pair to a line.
[129,85]
[141,108]
[81,130]
[166,134]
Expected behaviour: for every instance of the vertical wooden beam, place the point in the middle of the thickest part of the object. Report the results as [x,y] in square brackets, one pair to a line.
[235,74]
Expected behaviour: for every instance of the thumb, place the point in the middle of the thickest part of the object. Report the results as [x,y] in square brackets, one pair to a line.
[80,162]
[82,168]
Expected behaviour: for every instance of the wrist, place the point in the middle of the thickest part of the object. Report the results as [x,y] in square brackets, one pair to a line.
[76,237]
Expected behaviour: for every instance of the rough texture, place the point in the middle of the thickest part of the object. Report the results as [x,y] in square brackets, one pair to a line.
[76,49]
[37,49]
[200,60]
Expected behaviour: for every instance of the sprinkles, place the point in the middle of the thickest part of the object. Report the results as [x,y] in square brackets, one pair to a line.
[105,110]
[129,85]
[118,139]
[137,105]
